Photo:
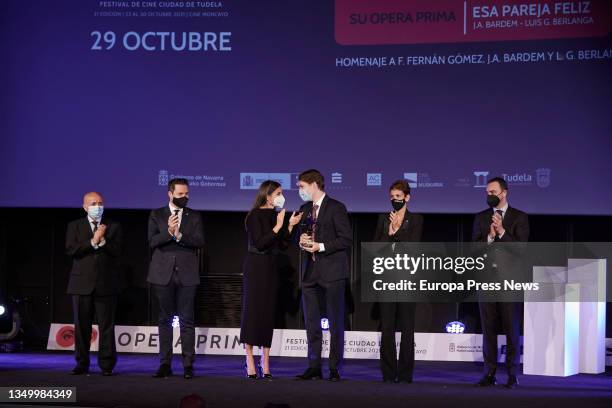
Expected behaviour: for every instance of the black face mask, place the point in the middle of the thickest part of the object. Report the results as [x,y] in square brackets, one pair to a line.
[492,200]
[180,202]
[397,204]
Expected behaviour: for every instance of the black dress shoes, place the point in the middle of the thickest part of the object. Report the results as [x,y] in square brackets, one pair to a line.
[188,373]
[79,370]
[488,380]
[311,374]
[164,371]
[334,375]
[512,382]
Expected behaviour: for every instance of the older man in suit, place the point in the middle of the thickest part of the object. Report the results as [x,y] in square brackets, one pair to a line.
[94,244]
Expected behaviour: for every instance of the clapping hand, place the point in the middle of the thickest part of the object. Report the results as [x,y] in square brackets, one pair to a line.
[497,224]
[173,224]
[393,222]
[99,234]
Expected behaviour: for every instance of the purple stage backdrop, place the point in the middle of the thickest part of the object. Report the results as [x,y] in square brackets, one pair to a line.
[120,96]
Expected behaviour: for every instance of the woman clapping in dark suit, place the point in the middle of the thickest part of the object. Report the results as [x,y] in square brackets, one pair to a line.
[268,234]
[400,225]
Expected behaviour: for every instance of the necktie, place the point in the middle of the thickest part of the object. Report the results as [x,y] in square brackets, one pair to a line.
[314,225]
[95,224]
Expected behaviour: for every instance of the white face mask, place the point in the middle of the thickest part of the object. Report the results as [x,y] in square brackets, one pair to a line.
[95,211]
[304,195]
[279,201]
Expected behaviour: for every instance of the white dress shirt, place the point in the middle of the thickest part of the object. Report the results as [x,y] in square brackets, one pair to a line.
[318,203]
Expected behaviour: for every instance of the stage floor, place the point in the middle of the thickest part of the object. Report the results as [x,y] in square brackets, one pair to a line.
[220,381]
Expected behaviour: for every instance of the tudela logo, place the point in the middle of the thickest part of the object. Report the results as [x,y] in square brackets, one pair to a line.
[65,336]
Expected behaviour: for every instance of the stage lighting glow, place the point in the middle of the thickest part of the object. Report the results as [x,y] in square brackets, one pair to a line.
[324,324]
[175,321]
[455,327]
[2,310]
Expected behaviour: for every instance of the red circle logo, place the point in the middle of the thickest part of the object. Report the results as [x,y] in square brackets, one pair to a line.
[65,336]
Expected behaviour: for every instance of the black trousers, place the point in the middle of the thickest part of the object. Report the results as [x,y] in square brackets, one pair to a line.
[84,308]
[176,300]
[509,314]
[401,313]
[315,291]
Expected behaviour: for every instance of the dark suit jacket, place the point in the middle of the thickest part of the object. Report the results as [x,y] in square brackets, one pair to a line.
[97,269]
[505,259]
[411,229]
[169,254]
[515,223]
[334,230]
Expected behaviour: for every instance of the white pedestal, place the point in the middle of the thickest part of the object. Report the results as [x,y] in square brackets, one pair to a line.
[551,329]
[567,336]
[591,275]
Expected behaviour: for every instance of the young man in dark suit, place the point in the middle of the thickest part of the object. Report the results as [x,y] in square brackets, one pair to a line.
[325,271]
[175,236]
[399,225]
[95,245]
[500,224]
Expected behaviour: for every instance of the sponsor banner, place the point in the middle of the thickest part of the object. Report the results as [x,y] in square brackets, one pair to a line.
[199,180]
[288,343]
[376,22]
[145,339]
[366,345]
[252,181]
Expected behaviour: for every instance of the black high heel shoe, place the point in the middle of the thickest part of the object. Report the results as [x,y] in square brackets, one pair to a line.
[250,376]
[264,376]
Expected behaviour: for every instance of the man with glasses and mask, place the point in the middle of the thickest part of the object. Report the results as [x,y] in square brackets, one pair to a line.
[175,237]
[500,224]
